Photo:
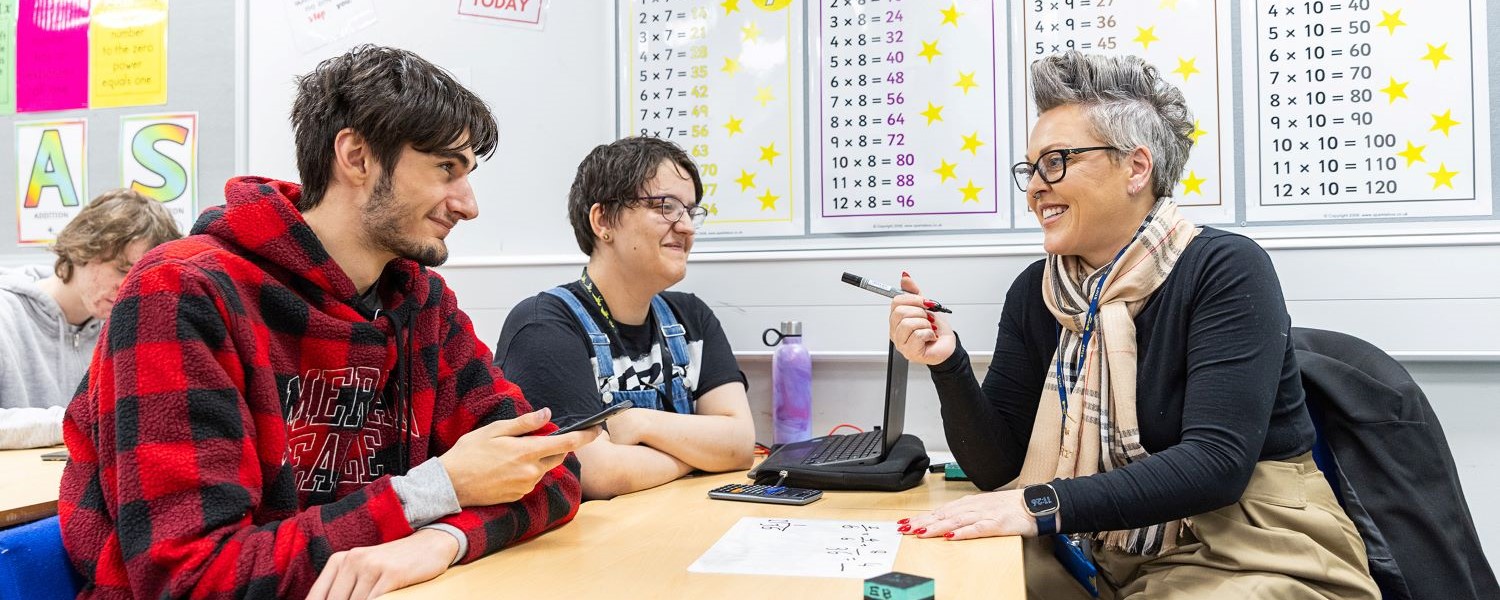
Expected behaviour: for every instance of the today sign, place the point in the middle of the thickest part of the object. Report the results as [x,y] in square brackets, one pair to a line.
[521,12]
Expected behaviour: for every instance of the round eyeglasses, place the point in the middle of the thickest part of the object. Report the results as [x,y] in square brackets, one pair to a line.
[672,209]
[1052,165]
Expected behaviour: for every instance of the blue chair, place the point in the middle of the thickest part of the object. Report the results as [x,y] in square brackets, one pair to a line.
[33,565]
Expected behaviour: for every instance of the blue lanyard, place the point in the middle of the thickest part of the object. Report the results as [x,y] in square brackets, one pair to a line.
[1088,334]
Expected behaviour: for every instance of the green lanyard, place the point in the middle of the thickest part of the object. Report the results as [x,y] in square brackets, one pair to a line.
[668,363]
[588,286]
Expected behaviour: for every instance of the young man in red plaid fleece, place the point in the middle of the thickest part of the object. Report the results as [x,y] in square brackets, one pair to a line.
[288,403]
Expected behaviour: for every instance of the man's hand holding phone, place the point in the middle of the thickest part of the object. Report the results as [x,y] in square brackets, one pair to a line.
[597,418]
[500,463]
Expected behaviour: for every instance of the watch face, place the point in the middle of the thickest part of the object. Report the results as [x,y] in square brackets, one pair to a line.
[1040,499]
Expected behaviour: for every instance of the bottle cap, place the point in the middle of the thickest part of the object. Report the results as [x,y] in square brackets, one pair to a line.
[791,328]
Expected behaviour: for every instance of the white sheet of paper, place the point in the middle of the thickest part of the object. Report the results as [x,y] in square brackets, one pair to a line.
[803,548]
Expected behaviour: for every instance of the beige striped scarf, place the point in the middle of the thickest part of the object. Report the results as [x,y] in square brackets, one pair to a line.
[1077,450]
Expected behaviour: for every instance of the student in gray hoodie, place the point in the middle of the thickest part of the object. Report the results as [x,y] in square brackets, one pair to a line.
[49,320]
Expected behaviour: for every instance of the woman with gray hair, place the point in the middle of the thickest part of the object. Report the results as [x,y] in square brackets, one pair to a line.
[1143,395]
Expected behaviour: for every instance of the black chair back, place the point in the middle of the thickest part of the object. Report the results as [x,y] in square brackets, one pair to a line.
[1394,471]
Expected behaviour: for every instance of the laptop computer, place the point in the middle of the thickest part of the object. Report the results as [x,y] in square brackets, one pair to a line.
[867,448]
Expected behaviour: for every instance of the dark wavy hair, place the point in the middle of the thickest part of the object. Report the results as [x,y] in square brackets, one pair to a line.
[391,98]
[111,221]
[615,173]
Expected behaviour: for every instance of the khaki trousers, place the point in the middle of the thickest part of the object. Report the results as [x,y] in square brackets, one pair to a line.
[1286,538]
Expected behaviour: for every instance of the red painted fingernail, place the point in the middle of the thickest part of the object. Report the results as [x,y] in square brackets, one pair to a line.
[903,521]
[933,320]
[928,303]
[920,531]
[903,529]
[905,274]
[948,535]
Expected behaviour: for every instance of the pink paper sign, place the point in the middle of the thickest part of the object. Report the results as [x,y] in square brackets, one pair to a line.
[52,55]
[516,12]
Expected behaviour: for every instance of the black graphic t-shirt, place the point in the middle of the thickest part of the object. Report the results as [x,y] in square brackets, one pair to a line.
[545,350]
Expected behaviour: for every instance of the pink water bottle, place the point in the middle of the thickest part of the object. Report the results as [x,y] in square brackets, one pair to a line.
[791,383]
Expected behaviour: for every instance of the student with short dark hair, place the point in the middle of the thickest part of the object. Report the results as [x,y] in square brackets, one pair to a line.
[50,318]
[289,402]
[616,334]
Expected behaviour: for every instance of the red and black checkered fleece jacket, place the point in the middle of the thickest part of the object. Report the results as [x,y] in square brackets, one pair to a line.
[242,419]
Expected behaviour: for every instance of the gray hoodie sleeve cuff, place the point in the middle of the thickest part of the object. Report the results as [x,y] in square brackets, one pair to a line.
[463,542]
[426,494]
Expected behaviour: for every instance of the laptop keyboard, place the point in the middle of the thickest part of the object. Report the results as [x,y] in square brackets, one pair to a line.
[840,448]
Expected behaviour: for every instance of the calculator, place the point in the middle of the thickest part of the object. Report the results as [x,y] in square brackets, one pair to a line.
[774,494]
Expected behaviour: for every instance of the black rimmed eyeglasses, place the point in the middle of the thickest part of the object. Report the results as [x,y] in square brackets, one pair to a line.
[672,209]
[1052,165]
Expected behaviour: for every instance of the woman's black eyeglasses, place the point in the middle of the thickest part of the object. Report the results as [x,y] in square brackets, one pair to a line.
[1052,165]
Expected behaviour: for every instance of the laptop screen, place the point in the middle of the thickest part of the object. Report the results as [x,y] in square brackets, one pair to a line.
[895,396]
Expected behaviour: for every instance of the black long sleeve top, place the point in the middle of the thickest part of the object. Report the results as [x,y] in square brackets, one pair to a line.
[1217,390]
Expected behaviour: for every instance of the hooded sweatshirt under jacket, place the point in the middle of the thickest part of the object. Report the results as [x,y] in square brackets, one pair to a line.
[245,415]
[42,360]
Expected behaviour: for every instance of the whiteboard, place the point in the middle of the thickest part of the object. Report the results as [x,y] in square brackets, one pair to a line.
[879,73]
[551,88]
[560,89]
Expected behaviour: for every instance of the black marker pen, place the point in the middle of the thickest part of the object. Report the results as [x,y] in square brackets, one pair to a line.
[888,292]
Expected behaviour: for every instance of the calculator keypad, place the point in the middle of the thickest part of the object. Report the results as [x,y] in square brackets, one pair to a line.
[767,491]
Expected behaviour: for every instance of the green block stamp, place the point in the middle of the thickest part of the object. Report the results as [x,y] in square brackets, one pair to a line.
[899,586]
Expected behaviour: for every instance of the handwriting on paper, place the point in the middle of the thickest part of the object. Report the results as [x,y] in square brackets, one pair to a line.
[803,547]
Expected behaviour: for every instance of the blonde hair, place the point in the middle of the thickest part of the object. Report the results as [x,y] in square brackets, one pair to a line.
[111,221]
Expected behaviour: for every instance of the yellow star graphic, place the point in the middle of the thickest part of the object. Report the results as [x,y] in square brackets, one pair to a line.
[734,126]
[769,154]
[972,143]
[1397,89]
[1146,36]
[929,51]
[933,113]
[1193,184]
[965,81]
[1443,122]
[1437,54]
[768,201]
[1442,177]
[971,192]
[1412,154]
[763,95]
[750,31]
[731,66]
[1391,20]
[1198,132]
[945,171]
[1186,68]
[1172,4]
[950,15]
[746,180]
[730,6]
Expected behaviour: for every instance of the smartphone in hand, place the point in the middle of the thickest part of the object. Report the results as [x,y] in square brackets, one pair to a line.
[600,417]
[59,455]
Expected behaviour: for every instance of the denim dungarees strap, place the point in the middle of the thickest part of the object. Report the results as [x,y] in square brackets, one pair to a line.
[677,353]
